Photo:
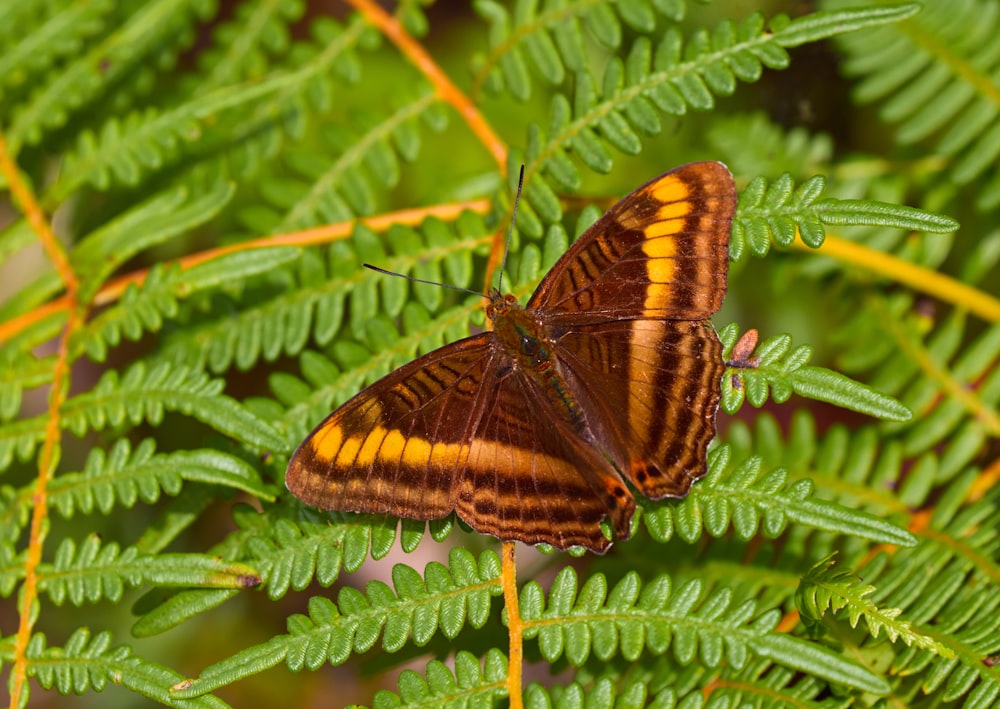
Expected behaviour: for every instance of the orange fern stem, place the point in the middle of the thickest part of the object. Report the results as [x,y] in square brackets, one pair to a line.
[47,461]
[985,482]
[788,622]
[515,626]
[36,217]
[938,285]
[49,456]
[445,89]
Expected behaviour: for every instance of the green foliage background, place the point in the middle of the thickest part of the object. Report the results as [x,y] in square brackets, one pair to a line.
[833,556]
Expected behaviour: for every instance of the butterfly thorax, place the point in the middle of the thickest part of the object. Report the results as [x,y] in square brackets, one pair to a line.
[519,333]
[527,345]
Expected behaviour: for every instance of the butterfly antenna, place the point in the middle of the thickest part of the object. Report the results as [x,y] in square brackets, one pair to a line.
[510,229]
[421,280]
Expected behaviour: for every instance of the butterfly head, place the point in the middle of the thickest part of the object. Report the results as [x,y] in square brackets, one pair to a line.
[499,304]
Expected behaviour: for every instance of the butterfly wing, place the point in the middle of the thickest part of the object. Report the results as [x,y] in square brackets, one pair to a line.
[651,390]
[661,253]
[396,447]
[467,428]
[460,429]
[534,476]
[626,308]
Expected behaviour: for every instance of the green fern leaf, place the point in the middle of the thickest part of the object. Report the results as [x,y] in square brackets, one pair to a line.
[470,685]
[746,498]
[91,572]
[81,83]
[332,632]
[778,370]
[90,662]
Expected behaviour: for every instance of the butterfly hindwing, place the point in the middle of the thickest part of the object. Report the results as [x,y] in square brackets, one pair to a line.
[662,252]
[533,477]
[651,390]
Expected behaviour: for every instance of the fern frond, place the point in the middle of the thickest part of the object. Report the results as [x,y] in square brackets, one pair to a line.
[294,553]
[150,224]
[747,498]
[827,587]
[632,622]
[769,686]
[937,75]
[777,213]
[291,553]
[90,572]
[947,587]
[924,366]
[670,79]
[17,373]
[144,308]
[865,470]
[35,36]
[755,145]
[631,618]
[313,300]
[552,40]
[245,45]
[445,599]
[328,60]
[634,694]
[144,395]
[125,150]
[163,24]
[90,663]
[470,685]
[123,477]
[343,184]
[968,625]
[780,372]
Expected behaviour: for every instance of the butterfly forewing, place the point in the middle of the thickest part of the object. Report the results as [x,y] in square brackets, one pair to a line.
[459,430]
[397,447]
[662,252]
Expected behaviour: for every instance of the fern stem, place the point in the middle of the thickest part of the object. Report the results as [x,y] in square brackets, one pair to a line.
[47,461]
[515,626]
[445,89]
[940,286]
[985,482]
[36,217]
[49,457]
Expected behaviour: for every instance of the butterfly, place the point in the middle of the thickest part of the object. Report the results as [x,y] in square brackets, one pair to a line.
[609,377]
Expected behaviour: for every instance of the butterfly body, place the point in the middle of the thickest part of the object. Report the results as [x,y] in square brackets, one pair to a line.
[527,344]
[611,372]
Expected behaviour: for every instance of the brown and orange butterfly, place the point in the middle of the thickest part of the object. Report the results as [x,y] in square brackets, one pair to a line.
[610,374]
